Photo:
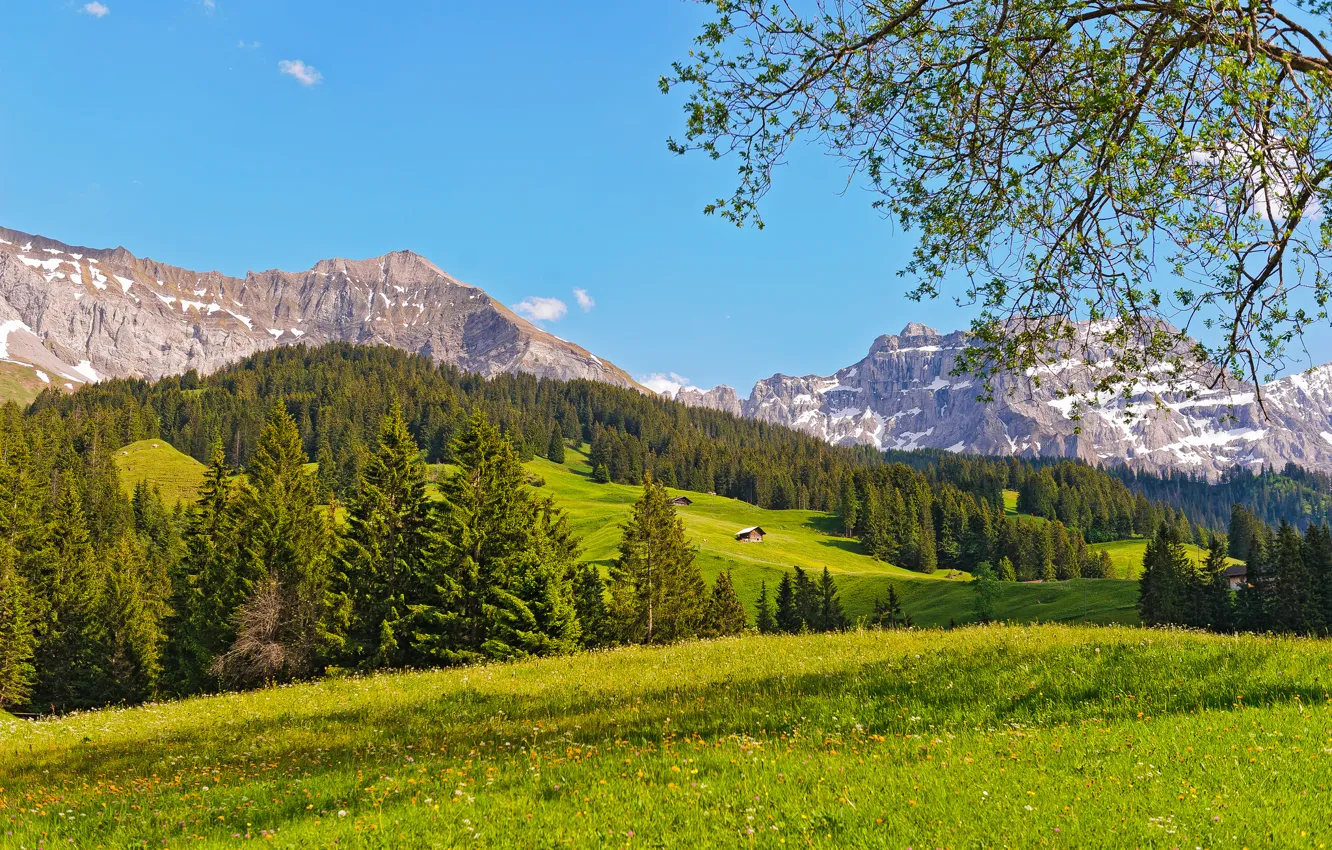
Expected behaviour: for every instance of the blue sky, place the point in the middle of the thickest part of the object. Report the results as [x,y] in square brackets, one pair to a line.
[521,146]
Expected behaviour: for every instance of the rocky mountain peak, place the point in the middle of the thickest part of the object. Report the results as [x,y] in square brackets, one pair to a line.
[121,315]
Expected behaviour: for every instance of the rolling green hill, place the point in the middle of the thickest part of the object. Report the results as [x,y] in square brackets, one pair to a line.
[177,475]
[808,539]
[1126,555]
[1046,736]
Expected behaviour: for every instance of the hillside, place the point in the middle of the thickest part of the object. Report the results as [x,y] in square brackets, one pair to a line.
[177,476]
[84,314]
[809,539]
[1042,736]
[904,395]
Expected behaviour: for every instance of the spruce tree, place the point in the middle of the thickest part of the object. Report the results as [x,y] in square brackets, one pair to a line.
[130,615]
[506,585]
[390,551]
[286,549]
[726,613]
[1169,577]
[788,616]
[208,584]
[1254,602]
[590,602]
[985,587]
[17,640]
[849,506]
[764,619]
[555,446]
[1318,560]
[806,600]
[830,616]
[1216,613]
[69,663]
[1006,571]
[1293,603]
[657,590]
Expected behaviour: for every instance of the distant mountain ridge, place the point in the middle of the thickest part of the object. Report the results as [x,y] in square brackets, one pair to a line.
[75,314]
[902,395]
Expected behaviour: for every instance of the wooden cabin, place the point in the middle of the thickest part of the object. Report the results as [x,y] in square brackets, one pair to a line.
[682,501]
[751,535]
[1237,576]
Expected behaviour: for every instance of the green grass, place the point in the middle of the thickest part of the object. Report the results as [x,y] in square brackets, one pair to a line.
[176,474]
[810,539]
[20,384]
[1126,555]
[1047,736]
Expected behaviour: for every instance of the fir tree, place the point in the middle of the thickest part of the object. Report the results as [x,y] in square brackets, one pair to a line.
[849,506]
[390,551]
[1168,580]
[830,617]
[985,587]
[590,602]
[130,618]
[657,591]
[555,446]
[1006,571]
[764,619]
[1294,606]
[1215,608]
[1318,560]
[788,616]
[506,588]
[17,640]
[600,474]
[287,548]
[726,613]
[806,600]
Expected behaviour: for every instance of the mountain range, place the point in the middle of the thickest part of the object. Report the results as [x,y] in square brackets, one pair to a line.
[70,315]
[903,395]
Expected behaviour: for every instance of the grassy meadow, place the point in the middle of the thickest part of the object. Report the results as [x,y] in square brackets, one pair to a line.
[809,539]
[176,475]
[1002,736]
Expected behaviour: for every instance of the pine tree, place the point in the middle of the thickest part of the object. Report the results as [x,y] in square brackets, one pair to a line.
[764,619]
[1169,577]
[130,616]
[726,613]
[390,551]
[806,600]
[68,659]
[1105,565]
[287,549]
[17,640]
[1216,613]
[1318,560]
[788,616]
[888,613]
[1294,605]
[590,602]
[849,506]
[985,588]
[829,617]
[207,584]
[1254,602]
[506,587]
[555,447]
[1006,571]
[600,474]
[657,591]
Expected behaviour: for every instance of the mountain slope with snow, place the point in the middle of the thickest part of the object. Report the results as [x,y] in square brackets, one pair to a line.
[902,395]
[79,314]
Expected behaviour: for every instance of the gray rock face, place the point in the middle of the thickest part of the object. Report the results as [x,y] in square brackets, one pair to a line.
[902,396]
[89,313]
[720,397]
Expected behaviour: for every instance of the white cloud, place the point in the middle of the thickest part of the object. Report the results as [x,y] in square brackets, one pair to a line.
[247,45]
[669,382]
[585,301]
[306,75]
[209,5]
[97,10]
[540,309]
